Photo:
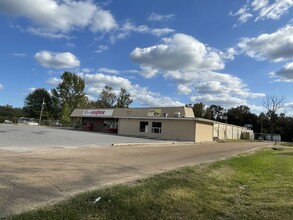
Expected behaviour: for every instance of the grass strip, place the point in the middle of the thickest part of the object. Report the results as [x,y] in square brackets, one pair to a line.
[256,186]
[287,144]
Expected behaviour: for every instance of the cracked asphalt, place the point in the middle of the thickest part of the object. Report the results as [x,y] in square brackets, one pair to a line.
[44,172]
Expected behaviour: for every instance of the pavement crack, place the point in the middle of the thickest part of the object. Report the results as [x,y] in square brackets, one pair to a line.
[55,186]
[16,185]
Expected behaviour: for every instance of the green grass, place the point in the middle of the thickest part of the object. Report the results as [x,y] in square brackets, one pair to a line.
[288,144]
[256,186]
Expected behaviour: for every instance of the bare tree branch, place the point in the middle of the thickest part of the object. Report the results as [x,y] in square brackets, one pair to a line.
[273,103]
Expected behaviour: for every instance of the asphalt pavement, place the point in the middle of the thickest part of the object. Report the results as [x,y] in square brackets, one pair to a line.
[35,176]
[25,138]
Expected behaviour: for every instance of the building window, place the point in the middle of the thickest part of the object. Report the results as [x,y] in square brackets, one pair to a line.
[157,127]
[143,126]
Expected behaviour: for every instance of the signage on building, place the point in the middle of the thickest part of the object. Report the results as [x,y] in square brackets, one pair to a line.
[98,112]
[154,112]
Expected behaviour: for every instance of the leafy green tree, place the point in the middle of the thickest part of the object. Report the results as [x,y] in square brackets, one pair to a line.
[107,98]
[8,112]
[199,110]
[123,100]
[241,115]
[215,112]
[68,95]
[65,115]
[34,101]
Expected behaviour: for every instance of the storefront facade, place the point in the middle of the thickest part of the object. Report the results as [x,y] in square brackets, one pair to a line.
[167,123]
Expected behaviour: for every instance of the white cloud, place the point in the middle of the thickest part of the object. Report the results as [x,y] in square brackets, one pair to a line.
[288,108]
[1,86]
[184,89]
[107,70]
[86,70]
[277,46]
[103,21]
[192,65]
[96,82]
[100,80]
[180,52]
[160,31]
[128,27]
[220,84]
[159,17]
[58,18]
[229,54]
[223,100]
[271,11]
[102,48]
[54,81]
[257,108]
[19,54]
[57,60]
[72,45]
[263,9]
[289,105]
[285,74]
[32,89]
[242,14]
[54,19]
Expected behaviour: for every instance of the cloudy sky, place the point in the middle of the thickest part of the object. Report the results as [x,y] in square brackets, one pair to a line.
[164,53]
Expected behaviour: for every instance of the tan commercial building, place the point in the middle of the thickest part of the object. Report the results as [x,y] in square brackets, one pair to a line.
[167,123]
[224,131]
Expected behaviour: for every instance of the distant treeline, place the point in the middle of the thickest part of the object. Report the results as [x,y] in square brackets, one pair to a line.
[239,115]
[57,105]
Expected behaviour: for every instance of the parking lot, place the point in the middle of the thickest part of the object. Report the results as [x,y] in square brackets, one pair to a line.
[40,165]
[24,137]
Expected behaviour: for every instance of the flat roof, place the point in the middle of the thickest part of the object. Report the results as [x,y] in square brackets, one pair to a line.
[164,112]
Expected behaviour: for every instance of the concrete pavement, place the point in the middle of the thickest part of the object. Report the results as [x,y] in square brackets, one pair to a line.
[26,138]
[29,179]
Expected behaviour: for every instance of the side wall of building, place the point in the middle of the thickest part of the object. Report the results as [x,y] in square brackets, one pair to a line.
[178,130]
[203,132]
[224,131]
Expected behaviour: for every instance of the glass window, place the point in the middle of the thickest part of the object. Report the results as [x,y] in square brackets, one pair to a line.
[143,126]
[157,127]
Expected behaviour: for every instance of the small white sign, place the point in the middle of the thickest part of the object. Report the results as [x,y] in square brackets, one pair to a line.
[98,112]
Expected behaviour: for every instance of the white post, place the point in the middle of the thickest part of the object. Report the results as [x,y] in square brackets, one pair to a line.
[41,111]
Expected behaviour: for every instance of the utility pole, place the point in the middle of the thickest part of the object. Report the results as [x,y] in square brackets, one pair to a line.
[41,111]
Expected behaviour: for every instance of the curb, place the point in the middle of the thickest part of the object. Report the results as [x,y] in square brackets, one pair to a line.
[151,144]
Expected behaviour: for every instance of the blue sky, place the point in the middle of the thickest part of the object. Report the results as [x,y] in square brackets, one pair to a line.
[164,53]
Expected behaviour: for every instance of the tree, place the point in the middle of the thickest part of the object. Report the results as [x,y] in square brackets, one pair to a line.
[8,112]
[214,112]
[263,123]
[273,104]
[107,98]
[241,115]
[34,101]
[68,95]
[123,100]
[65,115]
[198,109]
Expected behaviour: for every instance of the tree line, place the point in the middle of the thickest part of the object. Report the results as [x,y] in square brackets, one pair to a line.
[269,122]
[58,104]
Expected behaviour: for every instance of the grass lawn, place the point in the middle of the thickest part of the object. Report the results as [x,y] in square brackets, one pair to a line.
[288,144]
[256,186]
